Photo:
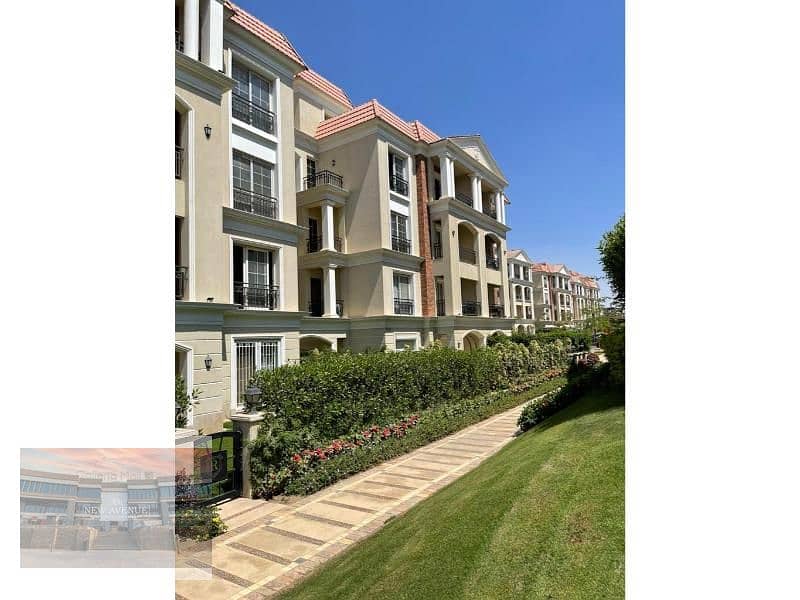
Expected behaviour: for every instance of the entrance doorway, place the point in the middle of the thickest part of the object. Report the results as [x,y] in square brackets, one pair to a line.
[315,302]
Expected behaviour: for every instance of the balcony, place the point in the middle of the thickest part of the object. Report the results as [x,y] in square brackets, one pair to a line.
[401,244]
[492,263]
[464,198]
[403,306]
[255,203]
[178,162]
[440,307]
[324,178]
[436,251]
[178,41]
[180,282]
[496,310]
[467,255]
[255,296]
[491,211]
[471,309]
[252,114]
[314,244]
[316,309]
[398,184]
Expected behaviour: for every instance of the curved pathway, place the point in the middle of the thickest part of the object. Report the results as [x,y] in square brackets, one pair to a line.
[270,545]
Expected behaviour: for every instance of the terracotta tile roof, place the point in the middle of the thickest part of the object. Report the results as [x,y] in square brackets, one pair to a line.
[548,268]
[423,133]
[264,32]
[375,110]
[318,81]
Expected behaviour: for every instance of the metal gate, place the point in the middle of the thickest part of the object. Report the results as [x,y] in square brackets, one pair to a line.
[220,468]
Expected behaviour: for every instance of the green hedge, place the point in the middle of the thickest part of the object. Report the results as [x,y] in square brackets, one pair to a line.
[579,383]
[433,425]
[335,394]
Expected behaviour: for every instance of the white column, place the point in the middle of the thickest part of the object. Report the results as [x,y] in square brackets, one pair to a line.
[191,28]
[211,42]
[448,175]
[477,203]
[327,226]
[498,206]
[329,283]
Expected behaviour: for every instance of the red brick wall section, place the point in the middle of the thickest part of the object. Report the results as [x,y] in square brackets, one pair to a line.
[426,271]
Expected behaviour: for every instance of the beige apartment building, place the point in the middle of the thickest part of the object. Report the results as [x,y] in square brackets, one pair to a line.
[562,296]
[303,222]
[522,289]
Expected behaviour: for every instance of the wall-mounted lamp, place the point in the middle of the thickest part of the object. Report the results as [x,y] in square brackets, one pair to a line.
[207,362]
[333,162]
[207,129]
[453,232]
[210,299]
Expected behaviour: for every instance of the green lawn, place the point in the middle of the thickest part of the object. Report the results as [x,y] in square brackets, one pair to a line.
[543,518]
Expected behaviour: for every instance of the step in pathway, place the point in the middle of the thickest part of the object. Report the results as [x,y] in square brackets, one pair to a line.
[270,545]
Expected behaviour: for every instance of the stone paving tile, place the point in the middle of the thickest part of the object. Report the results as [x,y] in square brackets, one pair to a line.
[244,564]
[280,545]
[378,489]
[335,513]
[211,589]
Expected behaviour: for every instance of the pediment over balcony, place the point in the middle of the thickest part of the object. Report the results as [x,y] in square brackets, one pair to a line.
[477,149]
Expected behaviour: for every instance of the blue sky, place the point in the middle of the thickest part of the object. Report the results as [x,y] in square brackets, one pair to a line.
[541,81]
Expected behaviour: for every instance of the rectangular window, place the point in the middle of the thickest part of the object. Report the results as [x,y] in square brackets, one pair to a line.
[252,185]
[311,173]
[405,343]
[252,99]
[252,356]
[516,271]
[398,176]
[254,278]
[399,231]
[403,294]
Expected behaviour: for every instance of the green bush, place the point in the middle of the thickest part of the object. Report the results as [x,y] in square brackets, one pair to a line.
[613,344]
[578,338]
[182,401]
[433,425]
[581,380]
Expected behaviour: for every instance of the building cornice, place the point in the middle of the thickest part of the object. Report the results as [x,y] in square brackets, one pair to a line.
[384,256]
[200,78]
[462,211]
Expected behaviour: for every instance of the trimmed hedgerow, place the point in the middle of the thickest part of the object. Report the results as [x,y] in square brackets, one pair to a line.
[432,425]
[334,395]
[579,383]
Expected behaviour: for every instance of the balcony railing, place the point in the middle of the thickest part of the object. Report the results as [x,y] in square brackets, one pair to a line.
[314,244]
[436,251]
[403,306]
[255,203]
[492,263]
[178,162]
[461,197]
[496,310]
[248,295]
[440,307]
[398,184]
[178,41]
[467,255]
[401,244]
[252,114]
[490,210]
[324,178]
[316,309]
[470,309]
[180,281]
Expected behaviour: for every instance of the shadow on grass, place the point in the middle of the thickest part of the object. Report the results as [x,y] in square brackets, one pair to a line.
[596,400]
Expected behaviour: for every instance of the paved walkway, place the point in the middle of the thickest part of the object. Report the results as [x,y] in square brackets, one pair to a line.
[270,545]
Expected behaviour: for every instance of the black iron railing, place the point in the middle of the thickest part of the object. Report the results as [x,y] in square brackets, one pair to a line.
[178,41]
[255,203]
[252,114]
[314,244]
[467,255]
[492,263]
[440,307]
[436,251]
[316,309]
[496,310]
[178,162]
[324,178]
[401,244]
[403,306]
[470,309]
[180,281]
[398,184]
[490,210]
[248,295]
[461,197]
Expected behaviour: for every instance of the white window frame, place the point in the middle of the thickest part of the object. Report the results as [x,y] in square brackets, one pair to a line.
[251,337]
[189,379]
[277,267]
[392,150]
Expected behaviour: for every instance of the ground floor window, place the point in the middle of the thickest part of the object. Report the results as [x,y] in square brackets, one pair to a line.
[403,343]
[253,355]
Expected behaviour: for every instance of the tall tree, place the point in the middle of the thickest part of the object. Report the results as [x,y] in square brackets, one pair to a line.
[612,257]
